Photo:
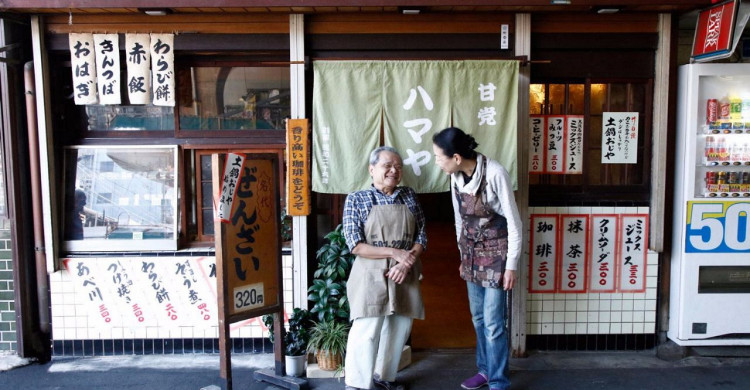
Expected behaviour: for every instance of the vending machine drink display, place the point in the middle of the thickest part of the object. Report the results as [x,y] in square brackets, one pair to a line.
[710,278]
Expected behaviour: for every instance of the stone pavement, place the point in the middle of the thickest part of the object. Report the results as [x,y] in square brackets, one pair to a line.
[443,369]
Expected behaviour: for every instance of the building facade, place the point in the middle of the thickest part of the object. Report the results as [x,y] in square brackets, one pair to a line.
[238,72]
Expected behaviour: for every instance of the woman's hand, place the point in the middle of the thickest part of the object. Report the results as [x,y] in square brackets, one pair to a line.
[397,273]
[509,279]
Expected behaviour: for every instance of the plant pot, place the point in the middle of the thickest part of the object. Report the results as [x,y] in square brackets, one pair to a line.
[328,361]
[295,365]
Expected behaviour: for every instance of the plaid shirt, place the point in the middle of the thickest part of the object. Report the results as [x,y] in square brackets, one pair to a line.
[358,205]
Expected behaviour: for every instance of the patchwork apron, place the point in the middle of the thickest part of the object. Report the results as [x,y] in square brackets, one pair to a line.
[484,238]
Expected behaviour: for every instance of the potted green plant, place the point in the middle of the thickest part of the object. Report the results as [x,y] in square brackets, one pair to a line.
[328,343]
[296,340]
[286,228]
[328,291]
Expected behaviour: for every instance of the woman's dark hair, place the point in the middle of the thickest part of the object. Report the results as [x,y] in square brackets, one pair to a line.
[453,140]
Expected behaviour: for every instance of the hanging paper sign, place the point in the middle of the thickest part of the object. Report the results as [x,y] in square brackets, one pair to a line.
[536,146]
[232,170]
[162,69]
[108,67]
[574,250]
[555,144]
[298,170]
[633,233]
[83,64]
[138,61]
[574,137]
[602,262]
[619,138]
[543,251]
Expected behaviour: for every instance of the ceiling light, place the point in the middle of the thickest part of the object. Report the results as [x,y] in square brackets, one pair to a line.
[608,10]
[411,11]
[155,11]
[560,2]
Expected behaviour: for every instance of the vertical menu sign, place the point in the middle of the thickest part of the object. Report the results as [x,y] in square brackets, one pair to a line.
[603,250]
[536,144]
[633,238]
[575,248]
[298,170]
[543,252]
[248,250]
[555,144]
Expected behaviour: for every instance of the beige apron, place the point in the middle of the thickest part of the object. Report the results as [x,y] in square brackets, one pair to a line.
[370,292]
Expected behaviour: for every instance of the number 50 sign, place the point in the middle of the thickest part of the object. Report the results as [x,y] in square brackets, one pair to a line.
[718,226]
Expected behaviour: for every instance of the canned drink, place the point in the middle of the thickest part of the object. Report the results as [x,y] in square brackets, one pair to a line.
[746,177]
[721,177]
[732,179]
[711,177]
[725,110]
[712,111]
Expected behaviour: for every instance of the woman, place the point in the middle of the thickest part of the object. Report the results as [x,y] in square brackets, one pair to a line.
[488,230]
[385,227]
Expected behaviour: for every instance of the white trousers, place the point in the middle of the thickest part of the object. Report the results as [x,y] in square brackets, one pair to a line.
[374,347]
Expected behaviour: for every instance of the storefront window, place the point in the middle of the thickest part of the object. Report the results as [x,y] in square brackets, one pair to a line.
[200,213]
[120,198]
[235,98]
[129,118]
[597,182]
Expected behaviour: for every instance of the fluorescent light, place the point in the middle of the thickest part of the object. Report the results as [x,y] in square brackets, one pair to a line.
[155,11]
[608,10]
[410,11]
[560,2]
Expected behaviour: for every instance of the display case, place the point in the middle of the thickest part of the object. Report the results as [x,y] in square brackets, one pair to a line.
[723,161]
[710,259]
[120,198]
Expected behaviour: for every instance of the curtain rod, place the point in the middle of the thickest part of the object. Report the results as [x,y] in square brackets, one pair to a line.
[523,59]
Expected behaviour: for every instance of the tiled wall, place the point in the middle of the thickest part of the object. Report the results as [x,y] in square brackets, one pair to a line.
[7,305]
[587,313]
[78,329]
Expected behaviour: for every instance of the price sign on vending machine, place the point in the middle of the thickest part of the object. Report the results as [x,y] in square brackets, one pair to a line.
[718,226]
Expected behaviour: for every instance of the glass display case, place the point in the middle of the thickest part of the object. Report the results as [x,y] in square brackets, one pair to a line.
[723,161]
[120,198]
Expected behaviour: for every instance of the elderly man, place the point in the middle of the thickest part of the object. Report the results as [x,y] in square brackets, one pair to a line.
[384,227]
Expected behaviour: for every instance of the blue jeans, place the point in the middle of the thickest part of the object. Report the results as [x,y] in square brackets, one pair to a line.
[488,314]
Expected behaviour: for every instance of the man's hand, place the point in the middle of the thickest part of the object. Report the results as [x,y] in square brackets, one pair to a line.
[403,257]
[397,273]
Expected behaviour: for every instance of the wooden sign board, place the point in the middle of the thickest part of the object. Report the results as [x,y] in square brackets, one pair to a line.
[298,167]
[248,245]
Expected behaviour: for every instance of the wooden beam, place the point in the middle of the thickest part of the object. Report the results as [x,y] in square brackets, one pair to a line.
[68,4]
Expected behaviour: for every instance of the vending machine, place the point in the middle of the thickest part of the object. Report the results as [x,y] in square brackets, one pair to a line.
[710,278]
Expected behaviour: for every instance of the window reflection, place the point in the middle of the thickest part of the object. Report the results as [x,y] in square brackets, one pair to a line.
[129,118]
[236,98]
[120,194]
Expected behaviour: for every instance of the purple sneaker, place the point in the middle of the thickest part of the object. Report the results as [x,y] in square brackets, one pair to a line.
[475,382]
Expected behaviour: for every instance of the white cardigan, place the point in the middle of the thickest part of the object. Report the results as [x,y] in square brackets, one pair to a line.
[499,196]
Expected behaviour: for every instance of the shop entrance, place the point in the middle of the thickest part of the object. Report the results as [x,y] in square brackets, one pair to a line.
[447,321]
